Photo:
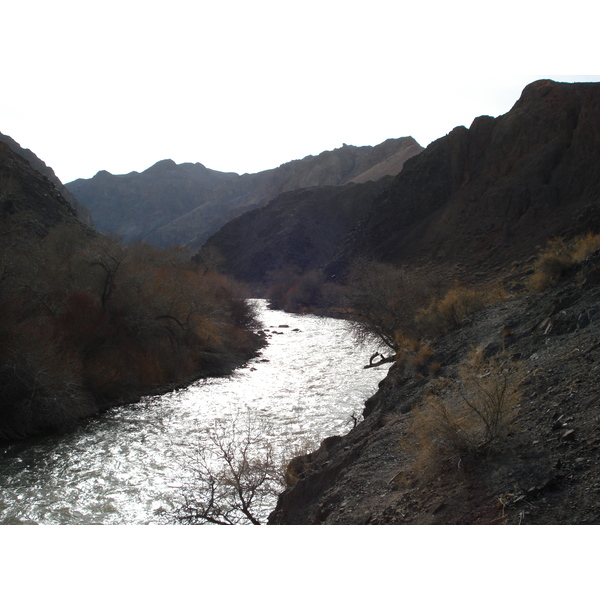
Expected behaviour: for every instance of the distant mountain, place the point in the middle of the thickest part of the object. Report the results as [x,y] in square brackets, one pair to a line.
[477,198]
[39,165]
[171,204]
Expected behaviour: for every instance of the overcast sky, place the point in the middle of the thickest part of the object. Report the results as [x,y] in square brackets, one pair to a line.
[246,86]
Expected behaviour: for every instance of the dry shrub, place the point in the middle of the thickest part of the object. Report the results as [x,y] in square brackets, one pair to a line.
[382,300]
[585,245]
[86,322]
[234,473]
[460,418]
[555,260]
[551,264]
[413,355]
[446,313]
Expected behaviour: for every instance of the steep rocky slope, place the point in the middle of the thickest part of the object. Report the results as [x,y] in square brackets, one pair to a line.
[171,204]
[545,472]
[474,200]
[476,205]
[300,229]
[38,164]
[487,195]
[24,191]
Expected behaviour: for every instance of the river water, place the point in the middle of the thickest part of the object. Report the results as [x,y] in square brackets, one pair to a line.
[127,466]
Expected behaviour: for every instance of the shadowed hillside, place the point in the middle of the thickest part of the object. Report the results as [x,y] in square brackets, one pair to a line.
[81,211]
[171,204]
[300,229]
[87,323]
[488,195]
[488,412]
[476,199]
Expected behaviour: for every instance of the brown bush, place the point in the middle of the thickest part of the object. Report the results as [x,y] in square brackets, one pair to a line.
[551,264]
[555,260]
[585,245]
[446,313]
[382,301]
[294,291]
[87,322]
[461,417]
[414,355]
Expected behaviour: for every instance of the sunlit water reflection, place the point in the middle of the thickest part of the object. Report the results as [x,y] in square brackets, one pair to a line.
[126,466]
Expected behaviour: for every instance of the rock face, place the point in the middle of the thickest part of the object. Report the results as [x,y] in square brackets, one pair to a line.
[489,194]
[26,192]
[171,204]
[300,229]
[485,197]
[480,198]
[39,165]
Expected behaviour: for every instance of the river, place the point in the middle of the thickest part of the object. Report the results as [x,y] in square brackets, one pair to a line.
[127,466]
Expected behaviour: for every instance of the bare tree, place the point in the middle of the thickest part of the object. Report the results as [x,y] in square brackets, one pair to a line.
[382,301]
[235,475]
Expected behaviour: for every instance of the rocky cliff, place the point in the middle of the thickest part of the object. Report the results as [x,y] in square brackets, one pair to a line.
[488,195]
[39,165]
[478,203]
[26,192]
[171,204]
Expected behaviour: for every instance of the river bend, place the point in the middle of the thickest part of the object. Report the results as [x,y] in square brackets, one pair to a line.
[125,467]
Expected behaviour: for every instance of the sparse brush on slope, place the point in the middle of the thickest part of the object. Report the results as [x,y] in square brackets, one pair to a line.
[446,313]
[87,323]
[461,417]
[555,260]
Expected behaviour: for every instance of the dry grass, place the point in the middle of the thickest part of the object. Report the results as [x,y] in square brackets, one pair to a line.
[585,245]
[446,313]
[414,355]
[554,261]
[460,418]
[551,264]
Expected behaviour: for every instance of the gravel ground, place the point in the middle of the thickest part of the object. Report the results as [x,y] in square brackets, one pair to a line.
[545,472]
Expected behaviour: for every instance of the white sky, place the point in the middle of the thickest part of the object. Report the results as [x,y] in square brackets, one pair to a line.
[247,85]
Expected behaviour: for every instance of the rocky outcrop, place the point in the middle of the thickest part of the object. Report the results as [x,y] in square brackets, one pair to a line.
[487,195]
[300,229]
[25,192]
[171,204]
[39,165]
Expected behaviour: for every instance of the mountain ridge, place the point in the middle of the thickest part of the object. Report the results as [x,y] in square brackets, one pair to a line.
[39,165]
[476,199]
[505,184]
[171,204]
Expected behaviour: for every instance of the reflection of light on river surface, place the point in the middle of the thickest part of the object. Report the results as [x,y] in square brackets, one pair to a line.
[124,467]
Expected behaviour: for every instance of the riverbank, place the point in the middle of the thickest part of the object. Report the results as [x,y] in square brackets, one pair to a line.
[130,464]
[545,471]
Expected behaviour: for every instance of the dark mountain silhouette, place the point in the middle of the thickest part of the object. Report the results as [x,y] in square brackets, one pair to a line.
[171,204]
[300,229]
[38,164]
[87,323]
[488,195]
[478,198]
[26,192]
